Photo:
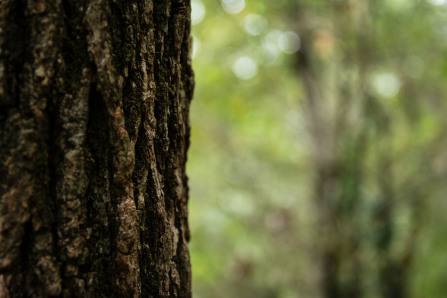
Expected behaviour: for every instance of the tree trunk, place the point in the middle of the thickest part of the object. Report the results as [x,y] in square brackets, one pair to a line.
[94,100]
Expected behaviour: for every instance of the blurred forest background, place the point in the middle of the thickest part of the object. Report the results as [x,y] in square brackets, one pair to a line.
[318,159]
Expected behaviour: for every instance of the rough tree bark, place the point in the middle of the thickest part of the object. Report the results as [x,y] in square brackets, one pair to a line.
[94,100]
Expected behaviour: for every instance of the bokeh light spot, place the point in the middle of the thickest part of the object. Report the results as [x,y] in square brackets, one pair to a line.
[233,6]
[289,42]
[386,84]
[437,2]
[195,45]
[197,11]
[245,68]
[255,24]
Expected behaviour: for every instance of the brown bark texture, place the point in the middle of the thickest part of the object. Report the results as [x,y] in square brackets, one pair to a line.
[94,100]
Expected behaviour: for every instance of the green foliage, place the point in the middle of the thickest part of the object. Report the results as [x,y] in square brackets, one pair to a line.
[266,155]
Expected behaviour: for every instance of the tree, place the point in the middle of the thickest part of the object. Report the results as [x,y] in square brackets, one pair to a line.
[94,98]
[359,194]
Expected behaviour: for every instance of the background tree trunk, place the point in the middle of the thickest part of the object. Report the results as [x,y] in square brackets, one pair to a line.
[94,100]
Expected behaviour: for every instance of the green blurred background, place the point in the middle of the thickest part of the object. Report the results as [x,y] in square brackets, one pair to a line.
[318,157]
